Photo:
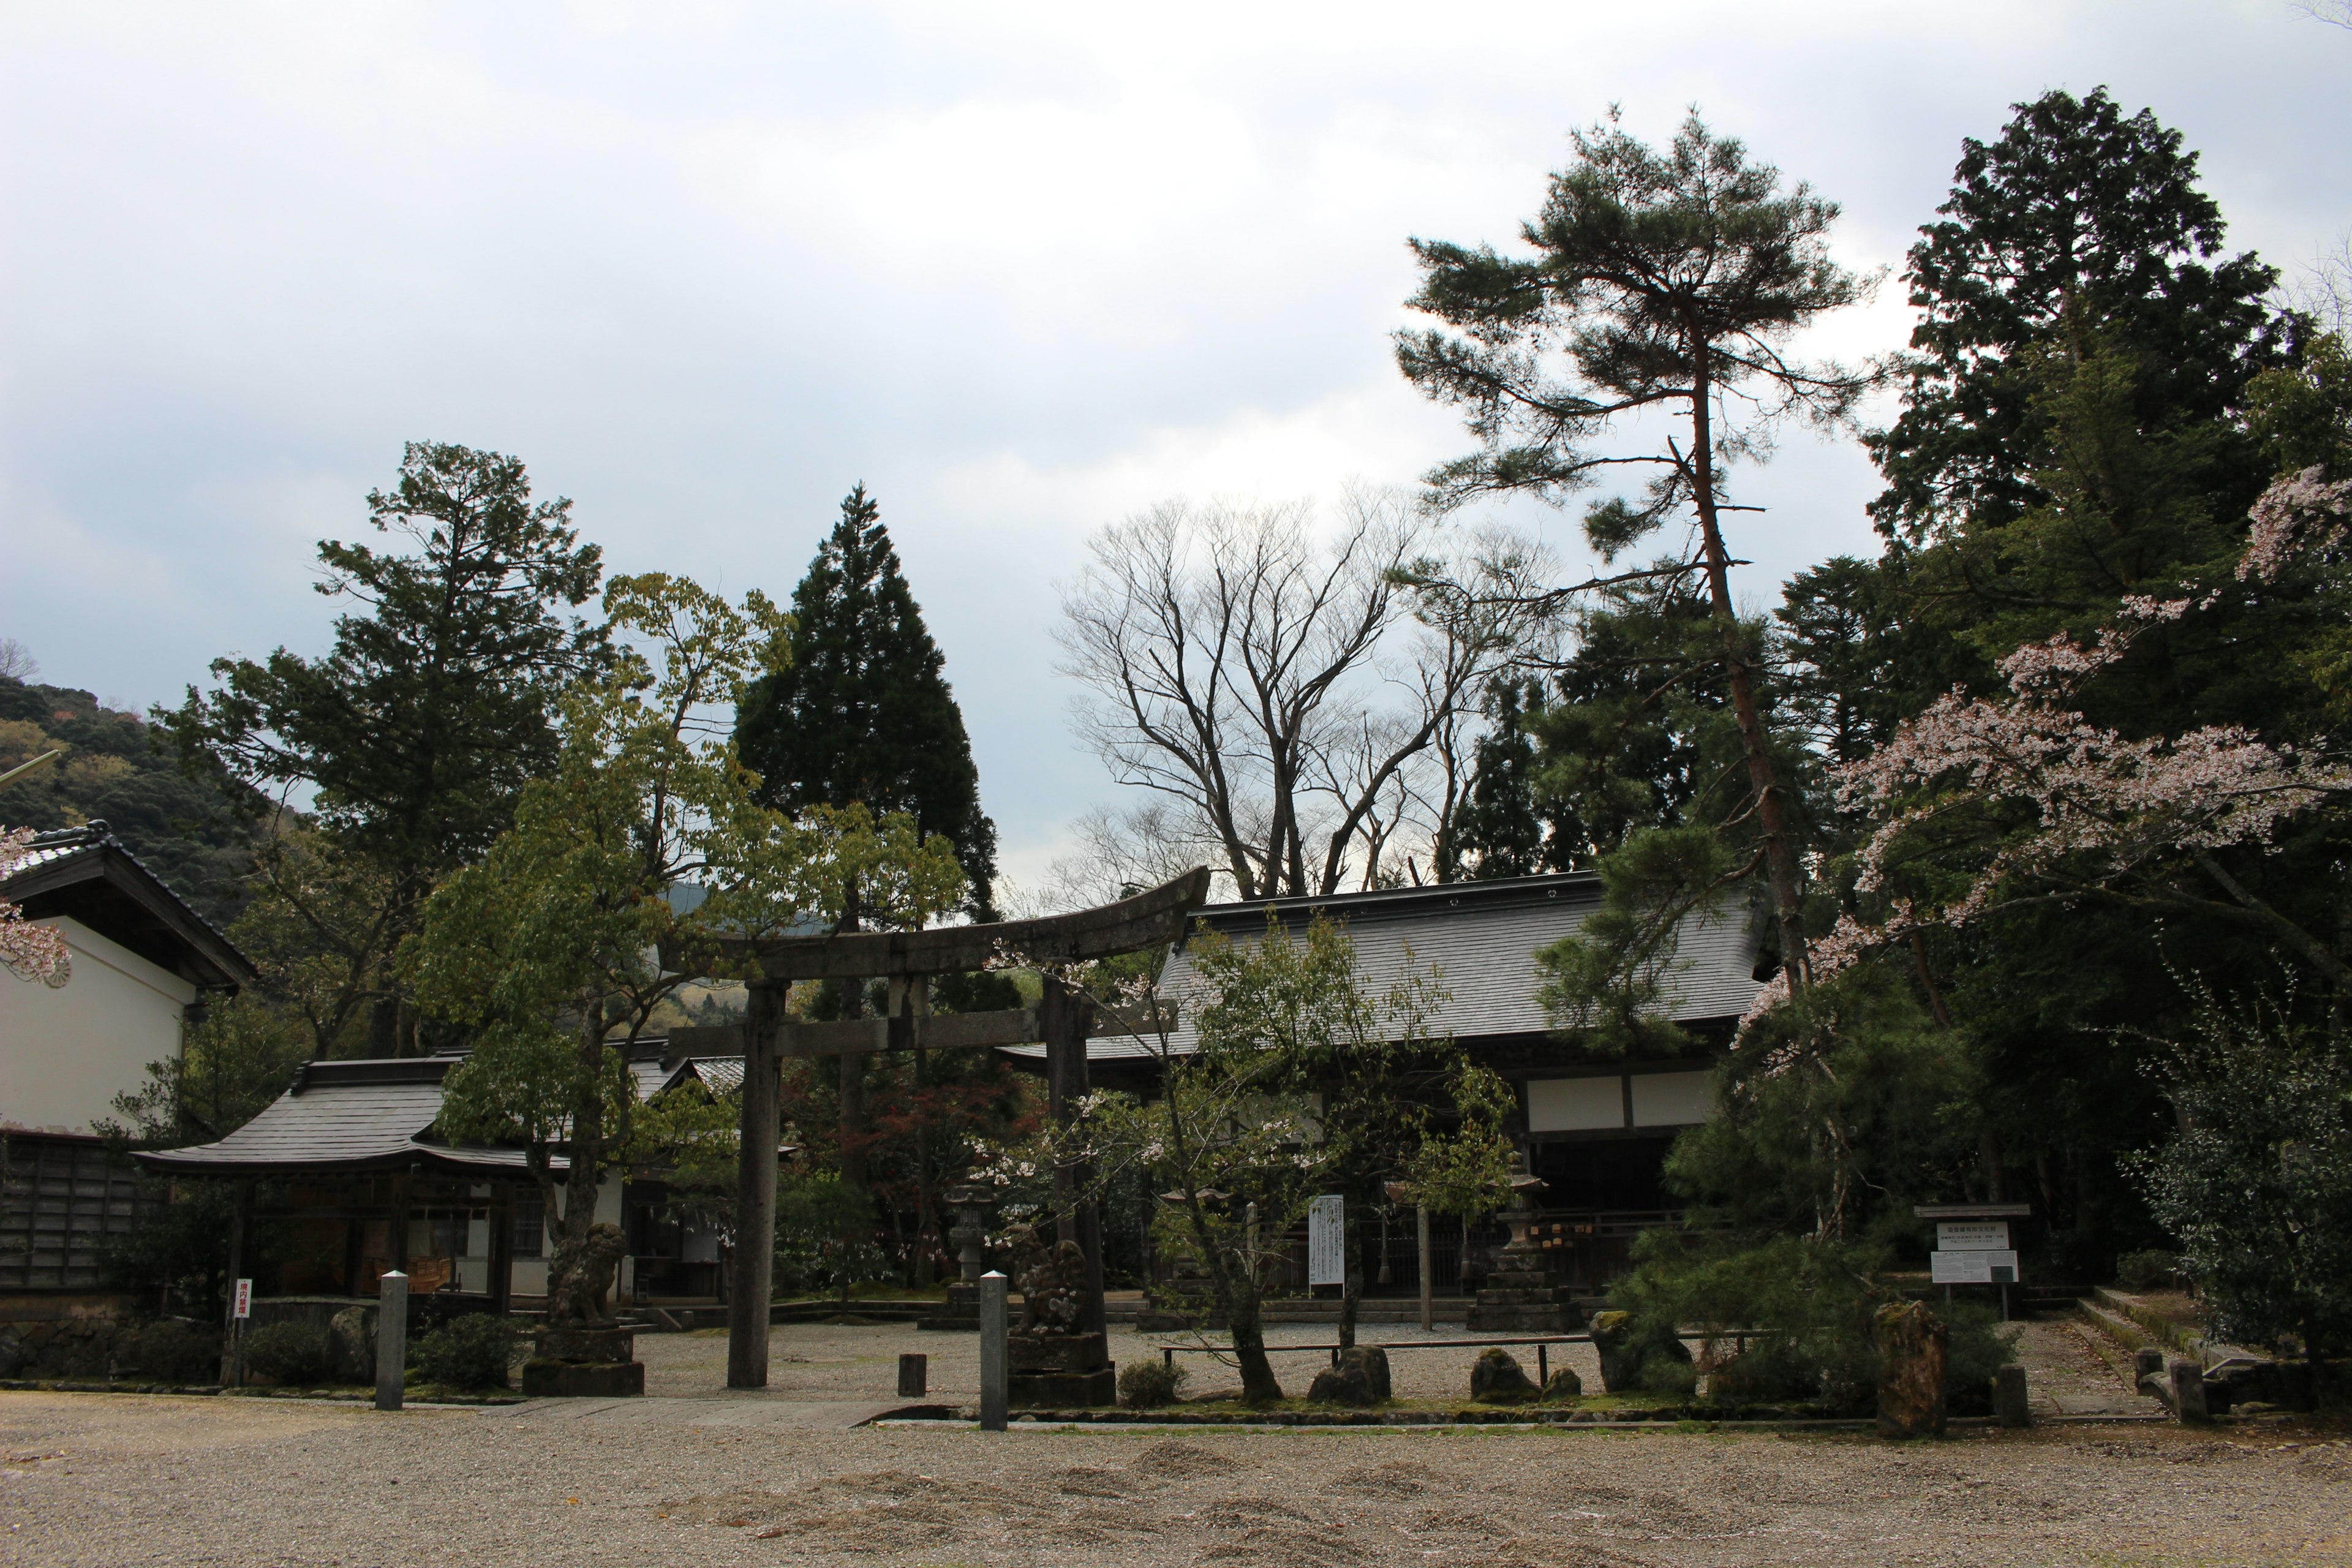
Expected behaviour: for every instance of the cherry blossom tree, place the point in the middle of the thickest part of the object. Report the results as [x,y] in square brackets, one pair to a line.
[28,952]
[1989,803]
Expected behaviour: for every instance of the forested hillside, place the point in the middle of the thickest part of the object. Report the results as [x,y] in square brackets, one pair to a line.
[112,772]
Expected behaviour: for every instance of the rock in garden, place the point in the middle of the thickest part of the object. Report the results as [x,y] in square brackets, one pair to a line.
[1496,1379]
[1361,1377]
[352,1334]
[1564,1385]
[1629,1348]
[1911,1351]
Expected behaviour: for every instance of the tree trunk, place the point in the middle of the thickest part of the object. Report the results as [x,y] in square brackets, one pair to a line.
[1771,806]
[586,1151]
[1258,1383]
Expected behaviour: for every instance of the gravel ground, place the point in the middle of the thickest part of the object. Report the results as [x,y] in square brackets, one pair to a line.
[100,1480]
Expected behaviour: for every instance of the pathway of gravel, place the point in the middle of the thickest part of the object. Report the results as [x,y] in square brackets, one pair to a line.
[100,1481]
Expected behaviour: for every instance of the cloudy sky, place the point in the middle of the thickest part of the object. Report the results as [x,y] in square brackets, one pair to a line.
[1022,269]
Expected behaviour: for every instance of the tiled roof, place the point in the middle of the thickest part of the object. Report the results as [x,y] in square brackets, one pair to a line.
[719,1075]
[344,1116]
[47,867]
[374,1115]
[1478,941]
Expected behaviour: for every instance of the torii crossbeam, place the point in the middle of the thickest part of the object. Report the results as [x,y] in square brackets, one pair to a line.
[1062,1020]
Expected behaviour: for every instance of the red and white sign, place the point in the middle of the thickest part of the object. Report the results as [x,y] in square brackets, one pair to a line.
[244,1298]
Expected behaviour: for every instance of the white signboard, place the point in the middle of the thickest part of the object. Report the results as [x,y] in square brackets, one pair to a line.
[1982,1266]
[1972,1235]
[1326,1241]
[244,1298]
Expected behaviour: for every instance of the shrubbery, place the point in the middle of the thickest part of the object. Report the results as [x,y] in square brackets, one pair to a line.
[2151,1271]
[296,1354]
[471,1351]
[1147,1384]
[169,1349]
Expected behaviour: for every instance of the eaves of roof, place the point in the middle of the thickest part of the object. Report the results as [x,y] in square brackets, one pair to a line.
[345,1117]
[73,856]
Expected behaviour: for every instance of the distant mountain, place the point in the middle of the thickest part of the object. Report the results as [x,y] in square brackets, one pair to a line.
[112,771]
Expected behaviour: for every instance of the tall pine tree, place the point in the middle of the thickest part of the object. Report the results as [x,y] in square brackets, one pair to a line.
[864,712]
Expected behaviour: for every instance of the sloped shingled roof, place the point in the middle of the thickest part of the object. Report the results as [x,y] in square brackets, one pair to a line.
[379,1115]
[87,873]
[344,1116]
[1478,941]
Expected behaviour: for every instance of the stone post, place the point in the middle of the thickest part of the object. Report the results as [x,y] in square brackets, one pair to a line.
[2009,1403]
[1428,1285]
[996,1354]
[391,1339]
[914,1374]
[2189,1390]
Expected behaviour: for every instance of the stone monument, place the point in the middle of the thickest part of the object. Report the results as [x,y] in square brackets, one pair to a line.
[1057,1362]
[583,1351]
[1523,1291]
[971,1203]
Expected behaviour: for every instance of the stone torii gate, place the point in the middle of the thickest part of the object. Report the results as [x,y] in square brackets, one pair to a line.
[1063,1019]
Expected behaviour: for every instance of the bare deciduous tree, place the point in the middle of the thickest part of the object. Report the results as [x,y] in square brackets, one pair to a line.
[1286,696]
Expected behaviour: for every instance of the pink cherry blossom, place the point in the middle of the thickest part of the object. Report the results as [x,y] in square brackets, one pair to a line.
[28,951]
[2296,515]
[2091,806]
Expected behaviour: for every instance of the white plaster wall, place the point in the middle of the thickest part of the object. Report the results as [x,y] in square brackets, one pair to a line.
[66,1053]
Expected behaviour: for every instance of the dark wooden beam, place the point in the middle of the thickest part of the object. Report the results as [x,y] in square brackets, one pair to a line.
[755,1197]
[922,1031]
[1147,919]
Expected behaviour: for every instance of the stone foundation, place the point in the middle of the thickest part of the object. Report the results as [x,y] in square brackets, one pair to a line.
[1061,1372]
[1065,1389]
[583,1379]
[1524,1299]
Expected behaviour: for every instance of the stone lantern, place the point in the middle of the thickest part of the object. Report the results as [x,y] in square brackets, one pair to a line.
[971,1202]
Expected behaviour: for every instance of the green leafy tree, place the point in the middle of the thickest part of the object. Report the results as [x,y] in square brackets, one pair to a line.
[568,932]
[2257,1184]
[2077,214]
[1667,283]
[1234,1145]
[1609,987]
[862,710]
[419,730]
[1499,830]
[1835,1116]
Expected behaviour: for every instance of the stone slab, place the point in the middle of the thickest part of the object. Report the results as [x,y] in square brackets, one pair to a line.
[583,1379]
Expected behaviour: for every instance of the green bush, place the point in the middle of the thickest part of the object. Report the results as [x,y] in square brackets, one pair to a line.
[1978,1346]
[295,1354]
[171,1350]
[2151,1271]
[471,1351]
[1147,1384]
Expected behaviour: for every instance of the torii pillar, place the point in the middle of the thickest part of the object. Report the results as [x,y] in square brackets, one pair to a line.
[1063,1020]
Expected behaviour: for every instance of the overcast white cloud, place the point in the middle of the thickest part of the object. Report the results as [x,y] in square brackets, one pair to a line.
[1022,269]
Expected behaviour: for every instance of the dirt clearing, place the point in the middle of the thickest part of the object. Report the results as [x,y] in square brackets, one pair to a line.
[103,1480]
